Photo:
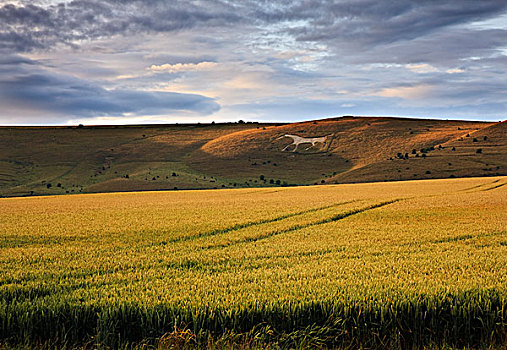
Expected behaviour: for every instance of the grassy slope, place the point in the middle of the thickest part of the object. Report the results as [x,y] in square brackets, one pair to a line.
[96,159]
[362,150]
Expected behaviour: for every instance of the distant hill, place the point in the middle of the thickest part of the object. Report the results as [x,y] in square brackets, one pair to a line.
[59,160]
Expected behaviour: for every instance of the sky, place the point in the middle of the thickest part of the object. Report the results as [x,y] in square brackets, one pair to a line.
[174,61]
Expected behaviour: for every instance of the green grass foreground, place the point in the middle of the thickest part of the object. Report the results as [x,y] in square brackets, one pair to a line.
[468,320]
[403,265]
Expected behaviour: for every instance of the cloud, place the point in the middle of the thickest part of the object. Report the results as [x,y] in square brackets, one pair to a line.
[422,68]
[24,28]
[455,71]
[128,58]
[437,49]
[371,22]
[183,67]
[31,92]
[366,22]
[304,109]
[407,92]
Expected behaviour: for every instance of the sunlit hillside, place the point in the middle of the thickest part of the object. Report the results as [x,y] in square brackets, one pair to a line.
[64,160]
[360,150]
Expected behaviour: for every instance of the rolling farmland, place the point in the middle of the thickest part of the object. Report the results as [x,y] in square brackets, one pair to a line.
[378,265]
[92,159]
[253,175]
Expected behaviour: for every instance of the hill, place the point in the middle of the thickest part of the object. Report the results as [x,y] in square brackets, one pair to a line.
[59,160]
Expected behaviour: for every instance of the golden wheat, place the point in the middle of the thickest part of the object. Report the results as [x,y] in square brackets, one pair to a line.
[133,266]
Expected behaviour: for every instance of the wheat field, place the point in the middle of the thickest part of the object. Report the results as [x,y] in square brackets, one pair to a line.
[375,265]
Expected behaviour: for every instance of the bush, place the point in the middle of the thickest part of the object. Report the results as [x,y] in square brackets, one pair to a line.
[271,181]
[48,185]
[479,150]
[262,177]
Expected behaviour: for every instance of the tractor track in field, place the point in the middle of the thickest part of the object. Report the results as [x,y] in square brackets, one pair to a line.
[494,187]
[297,227]
[478,187]
[256,223]
[465,237]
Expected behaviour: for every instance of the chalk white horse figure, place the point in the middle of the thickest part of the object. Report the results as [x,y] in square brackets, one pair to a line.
[297,140]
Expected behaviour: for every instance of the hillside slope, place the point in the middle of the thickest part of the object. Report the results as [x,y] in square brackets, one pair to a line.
[360,150]
[59,160]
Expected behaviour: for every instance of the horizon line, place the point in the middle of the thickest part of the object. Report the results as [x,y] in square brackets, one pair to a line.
[241,121]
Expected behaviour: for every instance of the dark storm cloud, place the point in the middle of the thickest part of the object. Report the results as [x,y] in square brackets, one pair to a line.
[367,22]
[371,31]
[444,47]
[12,60]
[286,59]
[376,22]
[28,27]
[43,92]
